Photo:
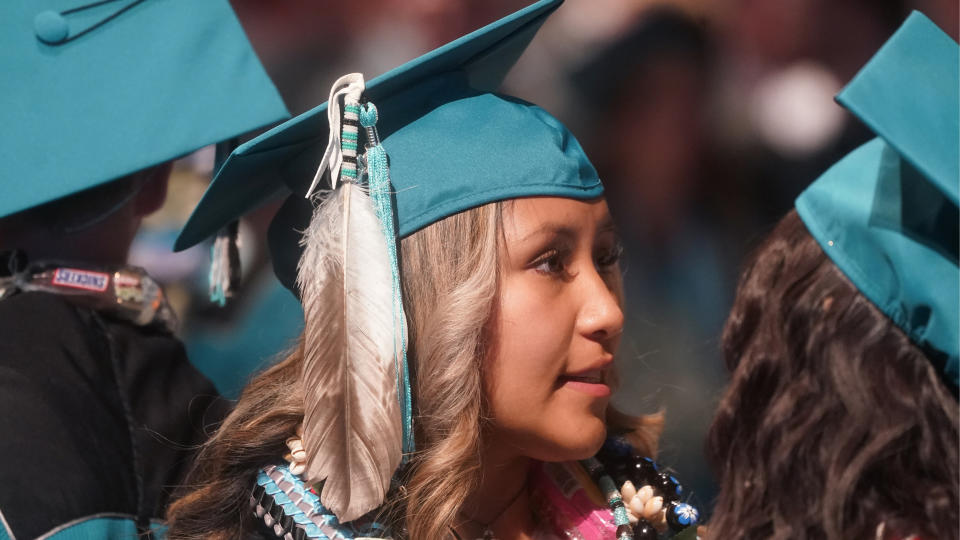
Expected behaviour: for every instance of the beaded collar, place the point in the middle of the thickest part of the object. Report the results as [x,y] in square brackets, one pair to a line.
[647,504]
[292,510]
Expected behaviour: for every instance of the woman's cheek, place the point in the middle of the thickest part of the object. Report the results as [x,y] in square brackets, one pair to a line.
[532,324]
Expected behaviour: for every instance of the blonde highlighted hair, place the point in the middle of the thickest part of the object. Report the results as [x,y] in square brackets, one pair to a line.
[450,274]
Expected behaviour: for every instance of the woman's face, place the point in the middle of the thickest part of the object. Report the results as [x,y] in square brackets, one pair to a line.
[555,328]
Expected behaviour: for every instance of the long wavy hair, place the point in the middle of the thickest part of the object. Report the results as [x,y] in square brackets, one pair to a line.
[834,424]
[450,283]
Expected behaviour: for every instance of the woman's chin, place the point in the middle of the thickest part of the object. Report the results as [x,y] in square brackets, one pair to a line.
[592,440]
[580,440]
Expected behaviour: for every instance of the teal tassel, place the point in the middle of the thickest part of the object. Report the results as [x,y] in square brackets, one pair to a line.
[224,275]
[217,294]
[378,179]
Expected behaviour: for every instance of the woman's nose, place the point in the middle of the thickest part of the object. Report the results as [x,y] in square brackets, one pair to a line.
[601,316]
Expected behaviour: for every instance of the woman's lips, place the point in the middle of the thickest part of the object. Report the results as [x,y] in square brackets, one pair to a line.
[591,384]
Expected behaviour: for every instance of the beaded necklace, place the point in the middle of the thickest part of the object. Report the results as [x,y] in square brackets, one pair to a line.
[289,506]
[639,514]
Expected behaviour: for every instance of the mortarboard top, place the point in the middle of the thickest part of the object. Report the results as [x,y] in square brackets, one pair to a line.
[886,214]
[452,145]
[94,91]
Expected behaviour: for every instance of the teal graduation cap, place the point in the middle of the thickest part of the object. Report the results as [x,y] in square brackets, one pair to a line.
[379,161]
[93,91]
[453,144]
[886,214]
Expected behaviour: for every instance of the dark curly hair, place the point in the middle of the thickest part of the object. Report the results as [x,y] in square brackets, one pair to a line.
[834,425]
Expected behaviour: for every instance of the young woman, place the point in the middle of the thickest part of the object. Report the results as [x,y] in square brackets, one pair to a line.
[841,419]
[502,320]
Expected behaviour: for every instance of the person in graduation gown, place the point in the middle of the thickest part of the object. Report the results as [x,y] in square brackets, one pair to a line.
[99,407]
[841,418]
[457,265]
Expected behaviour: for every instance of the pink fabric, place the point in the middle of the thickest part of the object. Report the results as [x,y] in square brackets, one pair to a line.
[565,504]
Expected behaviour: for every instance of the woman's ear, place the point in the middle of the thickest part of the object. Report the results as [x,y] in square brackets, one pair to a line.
[153,192]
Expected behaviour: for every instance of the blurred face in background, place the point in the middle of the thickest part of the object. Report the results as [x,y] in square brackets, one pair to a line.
[658,140]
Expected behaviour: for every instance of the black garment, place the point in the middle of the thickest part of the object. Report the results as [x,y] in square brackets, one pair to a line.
[96,415]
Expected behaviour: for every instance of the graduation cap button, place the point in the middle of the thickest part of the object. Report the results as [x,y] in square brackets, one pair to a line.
[51,27]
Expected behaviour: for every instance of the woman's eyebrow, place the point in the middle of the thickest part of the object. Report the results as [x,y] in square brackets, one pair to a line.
[553,229]
[607,225]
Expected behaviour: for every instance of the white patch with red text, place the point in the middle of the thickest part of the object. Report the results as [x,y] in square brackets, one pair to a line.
[81,279]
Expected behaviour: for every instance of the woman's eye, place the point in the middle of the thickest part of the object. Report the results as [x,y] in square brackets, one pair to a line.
[610,257]
[550,262]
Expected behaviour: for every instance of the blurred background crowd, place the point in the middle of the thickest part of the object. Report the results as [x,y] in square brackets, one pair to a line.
[704,119]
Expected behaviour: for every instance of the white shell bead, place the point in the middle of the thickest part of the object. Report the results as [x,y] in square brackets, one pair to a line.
[653,507]
[636,505]
[294,444]
[628,490]
[645,493]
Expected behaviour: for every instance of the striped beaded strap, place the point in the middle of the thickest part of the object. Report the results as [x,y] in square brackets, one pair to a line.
[348,140]
[292,510]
